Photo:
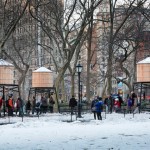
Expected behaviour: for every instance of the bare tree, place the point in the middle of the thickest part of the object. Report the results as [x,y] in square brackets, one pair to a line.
[11,14]
[20,53]
[117,20]
[129,43]
[66,30]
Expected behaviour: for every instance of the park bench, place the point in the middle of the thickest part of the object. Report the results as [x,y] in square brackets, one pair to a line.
[64,108]
[146,108]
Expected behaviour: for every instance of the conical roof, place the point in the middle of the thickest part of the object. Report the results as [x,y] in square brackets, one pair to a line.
[42,69]
[5,63]
[145,61]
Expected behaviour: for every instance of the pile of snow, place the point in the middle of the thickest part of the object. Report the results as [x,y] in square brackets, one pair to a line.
[42,69]
[5,63]
[145,61]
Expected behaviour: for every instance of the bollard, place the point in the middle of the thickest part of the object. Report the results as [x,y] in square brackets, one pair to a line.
[8,119]
[124,112]
[105,112]
[71,116]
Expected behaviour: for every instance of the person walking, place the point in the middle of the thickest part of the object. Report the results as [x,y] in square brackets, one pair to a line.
[38,107]
[107,103]
[93,108]
[10,106]
[72,104]
[99,108]
[33,105]
[134,98]
[28,107]
[51,104]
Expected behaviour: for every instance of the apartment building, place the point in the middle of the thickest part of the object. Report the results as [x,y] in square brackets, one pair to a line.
[28,41]
[129,29]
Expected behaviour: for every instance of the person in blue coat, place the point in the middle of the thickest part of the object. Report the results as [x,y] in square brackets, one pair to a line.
[93,108]
[99,108]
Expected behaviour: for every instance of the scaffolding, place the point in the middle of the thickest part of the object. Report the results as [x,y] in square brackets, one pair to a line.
[38,90]
[142,89]
[7,90]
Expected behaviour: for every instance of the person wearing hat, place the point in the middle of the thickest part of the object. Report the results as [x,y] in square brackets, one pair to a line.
[72,104]
[93,108]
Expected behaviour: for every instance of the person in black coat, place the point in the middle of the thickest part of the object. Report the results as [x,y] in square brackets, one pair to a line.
[28,107]
[51,104]
[133,96]
[93,108]
[72,103]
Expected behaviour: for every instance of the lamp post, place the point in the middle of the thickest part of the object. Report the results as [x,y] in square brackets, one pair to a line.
[78,70]
[81,85]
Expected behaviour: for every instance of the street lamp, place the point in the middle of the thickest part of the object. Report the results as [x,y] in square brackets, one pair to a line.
[78,70]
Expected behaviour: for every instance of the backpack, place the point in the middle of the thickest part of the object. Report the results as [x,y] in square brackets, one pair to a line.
[129,102]
[101,107]
[37,104]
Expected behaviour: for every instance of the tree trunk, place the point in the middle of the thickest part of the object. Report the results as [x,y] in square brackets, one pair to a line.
[109,71]
[89,57]
[63,90]
[73,84]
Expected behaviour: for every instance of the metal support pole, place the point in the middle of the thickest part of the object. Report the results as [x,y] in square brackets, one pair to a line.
[140,97]
[81,93]
[124,112]
[79,101]
[4,106]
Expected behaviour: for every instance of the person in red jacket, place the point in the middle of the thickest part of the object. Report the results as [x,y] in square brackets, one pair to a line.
[10,106]
[116,104]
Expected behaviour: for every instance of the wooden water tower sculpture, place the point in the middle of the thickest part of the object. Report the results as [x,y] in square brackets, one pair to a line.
[7,86]
[6,72]
[42,77]
[142,86]
[143,70]
[42,82]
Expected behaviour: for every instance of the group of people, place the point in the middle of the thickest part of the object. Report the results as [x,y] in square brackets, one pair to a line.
[97,107]
[18,106]
[11,106]
[115,101]
[40,106]
[112,103]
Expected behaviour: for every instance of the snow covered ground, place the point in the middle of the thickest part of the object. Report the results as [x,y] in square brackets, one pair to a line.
[55,132]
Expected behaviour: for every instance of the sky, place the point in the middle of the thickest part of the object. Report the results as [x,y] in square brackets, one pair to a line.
[56,132]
